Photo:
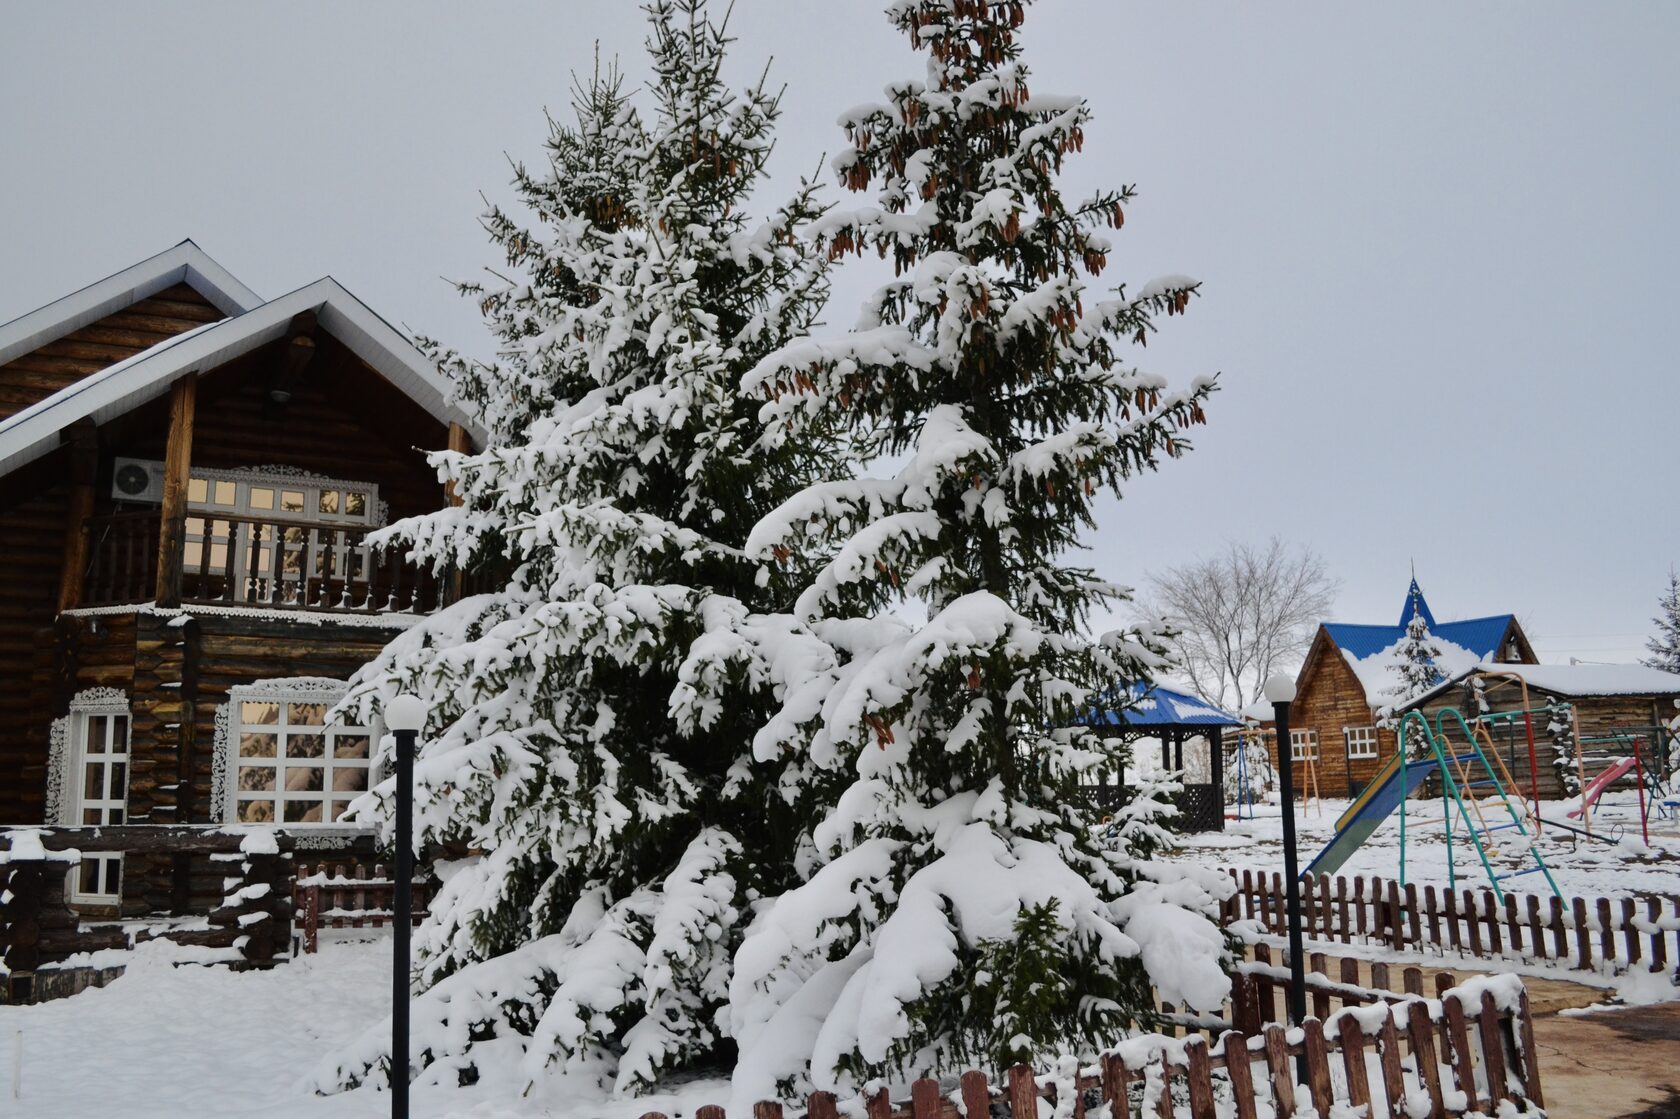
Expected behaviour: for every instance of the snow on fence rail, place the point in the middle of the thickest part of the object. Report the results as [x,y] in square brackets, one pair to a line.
[355,899]
[1602,935]
[1448,1057]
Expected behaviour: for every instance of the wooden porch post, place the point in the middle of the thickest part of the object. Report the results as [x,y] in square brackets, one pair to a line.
[461,442]
[177,461]
[458,441]
[83,438]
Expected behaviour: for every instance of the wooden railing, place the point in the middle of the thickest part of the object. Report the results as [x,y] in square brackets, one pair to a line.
[340,898]
[1468,1048]
[1584,934]
[267,562]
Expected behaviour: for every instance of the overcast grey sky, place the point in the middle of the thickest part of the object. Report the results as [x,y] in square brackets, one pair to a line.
[1437,241]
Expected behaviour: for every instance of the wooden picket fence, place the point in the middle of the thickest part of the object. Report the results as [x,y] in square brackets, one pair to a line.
[349,898]
[1583,934]
[1454,1055]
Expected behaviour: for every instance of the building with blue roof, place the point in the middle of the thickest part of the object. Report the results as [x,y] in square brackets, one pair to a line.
[1144,710]
[1348,670]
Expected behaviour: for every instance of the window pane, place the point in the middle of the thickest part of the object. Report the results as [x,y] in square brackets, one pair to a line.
[350,746]
[119,734]
[349,780]
[192,554]
[224,494]
[303,811]
[119,781]
[93,816]
[261,497]
[198,490]
[93,783]
[256,778]
[305,746]
[329,502]
[256,812]
[89,877]
[291,501]
[307,715]
[355,504]
[303,778]
[339,807]
[259,711]
[256,745]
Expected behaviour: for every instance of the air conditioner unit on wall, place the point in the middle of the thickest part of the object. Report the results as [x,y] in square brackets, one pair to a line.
[137,479]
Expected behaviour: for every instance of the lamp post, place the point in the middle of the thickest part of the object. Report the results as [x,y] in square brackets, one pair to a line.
[1280,690]
[404,716]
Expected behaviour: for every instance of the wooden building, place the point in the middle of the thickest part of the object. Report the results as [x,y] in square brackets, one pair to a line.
[1342,682]
[188,476]
[1616,710]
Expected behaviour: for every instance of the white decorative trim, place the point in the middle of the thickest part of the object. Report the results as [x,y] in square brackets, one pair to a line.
[99,701]
[285,689]
[58,772]
[60,808]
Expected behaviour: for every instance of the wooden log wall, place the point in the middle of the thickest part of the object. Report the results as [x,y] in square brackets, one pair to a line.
[31,554]
[35,376]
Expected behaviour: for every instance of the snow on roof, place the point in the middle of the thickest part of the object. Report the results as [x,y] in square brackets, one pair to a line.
[185,263]
[1376,671]
[128,384]
[1155,706]
[1575,680]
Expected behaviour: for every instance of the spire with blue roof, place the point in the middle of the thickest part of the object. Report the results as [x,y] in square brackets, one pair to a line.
[1415,606]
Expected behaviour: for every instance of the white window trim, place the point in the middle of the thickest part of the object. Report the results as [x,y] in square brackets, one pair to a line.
[95,703]
[224,784]
[278,478]
[1367,739]
[1303,745]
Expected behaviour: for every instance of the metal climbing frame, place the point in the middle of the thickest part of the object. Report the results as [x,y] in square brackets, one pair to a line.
[1458,777]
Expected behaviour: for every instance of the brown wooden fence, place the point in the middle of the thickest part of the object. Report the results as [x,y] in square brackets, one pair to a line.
[1468,1049]
[1584,934]
[355,898]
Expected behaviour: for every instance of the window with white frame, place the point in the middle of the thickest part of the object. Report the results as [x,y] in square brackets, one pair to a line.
[1361,742]
[263,523]
[99,788]
[286,763]
[1303,745]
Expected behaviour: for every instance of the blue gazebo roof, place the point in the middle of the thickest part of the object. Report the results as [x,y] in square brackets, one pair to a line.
[1154,706]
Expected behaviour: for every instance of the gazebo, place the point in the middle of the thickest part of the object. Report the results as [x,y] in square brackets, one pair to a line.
[1141,710]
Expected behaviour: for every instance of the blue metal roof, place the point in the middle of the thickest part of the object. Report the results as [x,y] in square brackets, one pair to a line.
[1479,635]
[1415,605]
[1155,706]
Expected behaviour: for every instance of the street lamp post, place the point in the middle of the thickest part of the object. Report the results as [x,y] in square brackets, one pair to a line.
[404,716]
[1280,690]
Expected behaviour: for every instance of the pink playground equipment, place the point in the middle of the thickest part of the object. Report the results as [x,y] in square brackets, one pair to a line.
[1616,771]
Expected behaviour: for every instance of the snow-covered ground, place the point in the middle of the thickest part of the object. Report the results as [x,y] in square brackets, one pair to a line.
[1583,867]
[163,1042]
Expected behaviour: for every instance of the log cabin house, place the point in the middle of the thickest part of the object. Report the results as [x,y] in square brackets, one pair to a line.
[1613,711]
[187,477]
[1340,687]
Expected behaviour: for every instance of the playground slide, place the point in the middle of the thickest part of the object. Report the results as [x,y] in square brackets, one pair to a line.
[1381,797]
[1603,781]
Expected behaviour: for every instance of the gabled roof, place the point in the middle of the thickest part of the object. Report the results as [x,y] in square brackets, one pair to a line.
[1479,635]
[185,263]
[1151,705]
[1416,607]
[122,387]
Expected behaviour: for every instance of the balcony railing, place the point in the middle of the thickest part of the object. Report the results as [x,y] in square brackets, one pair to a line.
[267,562]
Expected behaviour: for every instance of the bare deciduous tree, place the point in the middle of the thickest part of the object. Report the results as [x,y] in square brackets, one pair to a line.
[1242,614]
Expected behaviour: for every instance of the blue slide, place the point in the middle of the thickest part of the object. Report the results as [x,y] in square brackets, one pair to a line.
[1380,798]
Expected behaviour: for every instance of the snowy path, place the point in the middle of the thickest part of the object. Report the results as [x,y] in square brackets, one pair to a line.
[164,1042]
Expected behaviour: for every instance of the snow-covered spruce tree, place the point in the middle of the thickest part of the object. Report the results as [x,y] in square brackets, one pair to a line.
[1560,732]
[607,829]
[1415,663]
[1664,645]
[962,906]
